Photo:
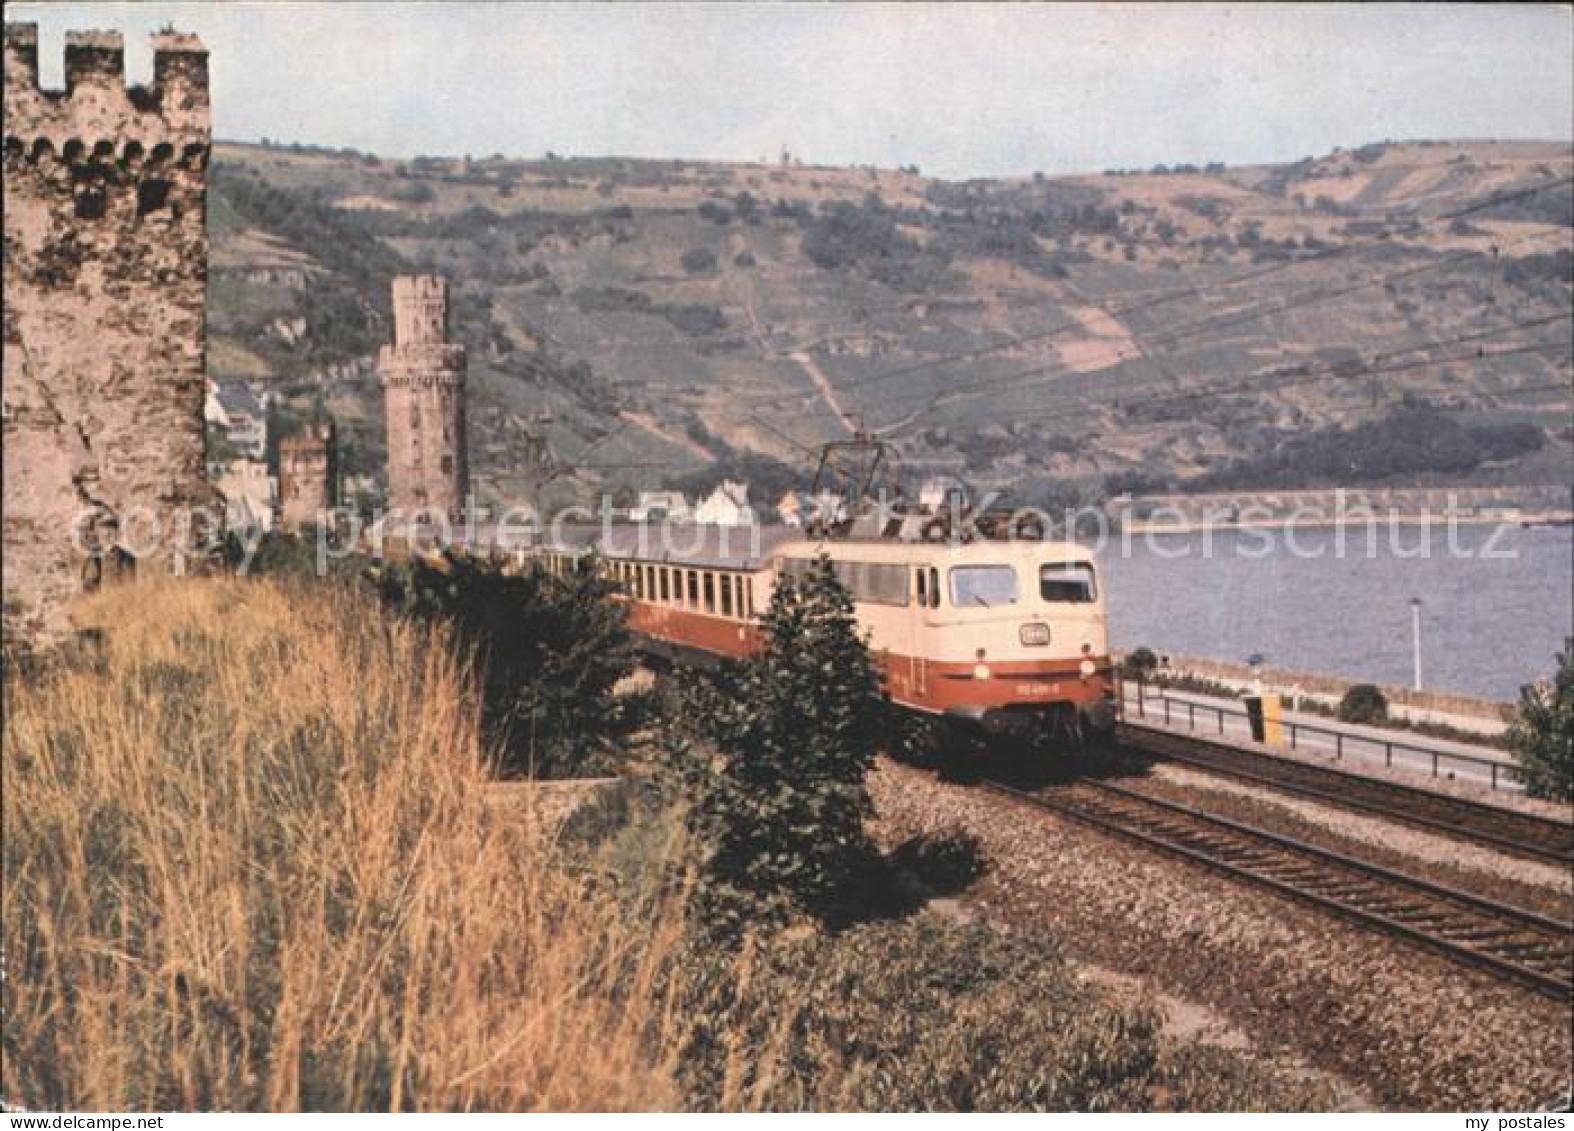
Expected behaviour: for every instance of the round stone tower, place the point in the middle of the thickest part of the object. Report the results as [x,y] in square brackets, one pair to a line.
[424,382]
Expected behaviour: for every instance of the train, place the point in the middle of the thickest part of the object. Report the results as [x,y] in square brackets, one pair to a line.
[987,638]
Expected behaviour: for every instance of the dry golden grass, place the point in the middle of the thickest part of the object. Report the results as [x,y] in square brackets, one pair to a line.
[248,864]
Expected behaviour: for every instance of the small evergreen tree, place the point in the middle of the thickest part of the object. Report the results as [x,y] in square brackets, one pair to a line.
[1140,664]
[549,651]
[1542,734]
[794,729]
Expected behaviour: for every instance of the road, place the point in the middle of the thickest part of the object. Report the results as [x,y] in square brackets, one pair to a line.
[1349,742]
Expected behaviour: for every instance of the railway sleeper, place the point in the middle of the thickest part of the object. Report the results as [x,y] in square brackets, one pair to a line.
[1243,858]
[1481,935]
[1349,889]
[1518,948]
[1219,848]
[1389,909]
[1454,928]
[1293,875]
[1549,961]
[1432,923]
[1298,873]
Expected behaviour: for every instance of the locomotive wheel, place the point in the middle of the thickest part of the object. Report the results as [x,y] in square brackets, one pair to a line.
[961,755]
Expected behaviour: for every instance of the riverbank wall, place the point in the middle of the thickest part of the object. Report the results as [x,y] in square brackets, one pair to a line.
[1466,712]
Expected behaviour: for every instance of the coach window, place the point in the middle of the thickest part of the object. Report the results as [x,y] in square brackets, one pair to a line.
[710,592]
[666,586]
[934,588]
[920,583]
[694,588]
[726,595]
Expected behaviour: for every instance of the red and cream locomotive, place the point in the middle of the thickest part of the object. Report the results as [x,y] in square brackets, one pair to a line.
[997,637]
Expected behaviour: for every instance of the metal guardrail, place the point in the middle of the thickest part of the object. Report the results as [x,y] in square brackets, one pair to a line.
[1498,769]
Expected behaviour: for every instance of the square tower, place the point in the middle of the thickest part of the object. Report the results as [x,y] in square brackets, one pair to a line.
[308,476]
[106,264]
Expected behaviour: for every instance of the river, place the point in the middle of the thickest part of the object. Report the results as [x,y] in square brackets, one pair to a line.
[1497,602]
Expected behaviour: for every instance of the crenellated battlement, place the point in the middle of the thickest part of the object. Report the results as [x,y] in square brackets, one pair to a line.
[420,310]
[96,103]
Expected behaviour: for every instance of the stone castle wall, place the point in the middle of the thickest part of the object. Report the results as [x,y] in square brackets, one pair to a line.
[424,382]
[308,476]
[106,254]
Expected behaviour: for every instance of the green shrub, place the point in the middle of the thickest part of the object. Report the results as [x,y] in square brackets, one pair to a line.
[927,1015]
[699,261]
[549,650]
[943,863]
[1542,734]
[1140,664]
[283,556]
[1363,703]
[793,732]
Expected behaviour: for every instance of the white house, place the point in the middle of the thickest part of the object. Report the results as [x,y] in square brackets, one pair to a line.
[243,417]
[727,505]
[936,492]
[250,494]
[655,506]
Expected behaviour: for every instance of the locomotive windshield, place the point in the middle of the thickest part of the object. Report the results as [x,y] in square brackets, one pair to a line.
[1066,581]
[983,586]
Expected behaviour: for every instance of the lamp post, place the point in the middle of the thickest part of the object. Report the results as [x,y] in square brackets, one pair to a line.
[1415,638]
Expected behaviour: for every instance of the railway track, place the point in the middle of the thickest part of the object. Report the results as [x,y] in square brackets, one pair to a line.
[1522,834]
[1512,943]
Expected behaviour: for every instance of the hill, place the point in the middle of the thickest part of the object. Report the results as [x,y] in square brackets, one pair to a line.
[669,322]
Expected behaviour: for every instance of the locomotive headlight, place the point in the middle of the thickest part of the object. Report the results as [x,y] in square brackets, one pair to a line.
[1034,634]
[1087,668]
[980,671]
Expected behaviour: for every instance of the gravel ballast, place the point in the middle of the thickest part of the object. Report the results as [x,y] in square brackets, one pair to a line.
[1414,1029]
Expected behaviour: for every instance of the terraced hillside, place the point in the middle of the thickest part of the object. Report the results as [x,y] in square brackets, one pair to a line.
[669,322]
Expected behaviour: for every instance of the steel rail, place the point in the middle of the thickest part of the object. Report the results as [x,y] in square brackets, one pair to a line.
[1523,834]
[1512,943]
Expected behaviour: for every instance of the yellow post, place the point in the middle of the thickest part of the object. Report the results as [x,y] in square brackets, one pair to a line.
[1272,731]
